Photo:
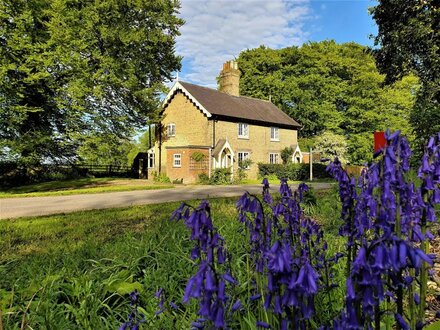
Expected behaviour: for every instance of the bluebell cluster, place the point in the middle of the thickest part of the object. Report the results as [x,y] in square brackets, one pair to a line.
[384,215]
[288,249]
[135,318]
[209,284]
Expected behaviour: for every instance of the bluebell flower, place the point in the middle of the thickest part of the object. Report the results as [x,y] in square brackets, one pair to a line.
[262,324]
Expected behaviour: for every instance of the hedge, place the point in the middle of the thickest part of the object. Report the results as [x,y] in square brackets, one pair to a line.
[293,172]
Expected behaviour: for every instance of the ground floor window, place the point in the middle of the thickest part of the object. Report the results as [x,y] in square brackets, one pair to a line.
[151,160]
[274,158]
[242,156]
[177,160]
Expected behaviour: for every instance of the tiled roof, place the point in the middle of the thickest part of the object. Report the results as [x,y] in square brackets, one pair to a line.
[235,108]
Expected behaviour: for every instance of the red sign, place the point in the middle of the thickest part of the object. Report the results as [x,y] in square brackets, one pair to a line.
[379,141]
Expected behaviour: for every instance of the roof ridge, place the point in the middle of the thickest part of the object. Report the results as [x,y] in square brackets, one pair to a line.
[216,90]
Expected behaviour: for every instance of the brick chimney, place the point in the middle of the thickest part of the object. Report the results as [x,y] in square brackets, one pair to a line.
[230,78]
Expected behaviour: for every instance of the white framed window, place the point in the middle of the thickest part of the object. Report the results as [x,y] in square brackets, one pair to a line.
[274,134]
[274,158]
[243,130]
[177,160]
[150,160]
[243,155]
[171,129]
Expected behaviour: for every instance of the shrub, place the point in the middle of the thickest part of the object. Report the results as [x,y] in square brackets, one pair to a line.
[243,166]
[286,155]
[203,178]
[160,177]
[293,172]
[221,176]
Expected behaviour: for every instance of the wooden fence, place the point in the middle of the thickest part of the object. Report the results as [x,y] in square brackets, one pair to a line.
[110,170]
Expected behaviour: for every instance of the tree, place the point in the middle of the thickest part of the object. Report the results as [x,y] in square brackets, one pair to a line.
[105,150]
[145,142]
[330,87]
[74,69]
[332,145]
[409,40]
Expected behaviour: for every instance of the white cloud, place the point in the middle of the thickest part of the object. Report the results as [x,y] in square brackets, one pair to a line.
[218,30]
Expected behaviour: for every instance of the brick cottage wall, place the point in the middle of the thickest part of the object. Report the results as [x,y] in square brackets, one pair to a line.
[190,169]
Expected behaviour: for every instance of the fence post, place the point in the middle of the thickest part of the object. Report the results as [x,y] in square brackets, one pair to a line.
[311,164]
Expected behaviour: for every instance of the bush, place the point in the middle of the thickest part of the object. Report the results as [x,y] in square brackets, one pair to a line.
[286,155]
[293,172]
[203,178]
[160,178]
[221,176]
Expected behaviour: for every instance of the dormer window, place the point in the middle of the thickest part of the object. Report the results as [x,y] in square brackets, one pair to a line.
[171,130]
[243,131]
[274,134]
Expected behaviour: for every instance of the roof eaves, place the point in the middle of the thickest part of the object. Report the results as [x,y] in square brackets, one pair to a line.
[237,119]
[179,86]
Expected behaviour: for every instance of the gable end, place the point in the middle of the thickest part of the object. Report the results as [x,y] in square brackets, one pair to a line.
[178,87]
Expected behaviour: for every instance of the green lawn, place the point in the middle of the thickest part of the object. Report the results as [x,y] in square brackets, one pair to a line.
[74,271]
[79,186]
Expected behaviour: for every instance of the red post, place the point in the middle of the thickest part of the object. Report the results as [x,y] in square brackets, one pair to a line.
[379,141]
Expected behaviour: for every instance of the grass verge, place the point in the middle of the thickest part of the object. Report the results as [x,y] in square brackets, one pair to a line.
[80,186]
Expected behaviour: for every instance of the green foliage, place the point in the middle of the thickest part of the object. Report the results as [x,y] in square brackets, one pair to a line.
[198,156]
[145,142]
[105,149]
[293,172]
[160,177]
[409,39]
[286,155]
[70,69]
[309,197]
[306,143]
[332,145]
[221,176]
[203,178]
[77,186]
[243,167]
[329,87]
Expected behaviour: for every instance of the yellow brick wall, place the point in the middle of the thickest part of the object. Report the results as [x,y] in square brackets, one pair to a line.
[259,143]
[192,127]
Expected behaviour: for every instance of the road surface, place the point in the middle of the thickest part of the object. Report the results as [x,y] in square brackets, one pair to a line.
[36,206]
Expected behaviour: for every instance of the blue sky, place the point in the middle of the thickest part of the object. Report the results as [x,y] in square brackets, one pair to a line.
[217,30]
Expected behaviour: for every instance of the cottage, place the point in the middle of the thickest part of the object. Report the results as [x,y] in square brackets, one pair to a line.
[203,129]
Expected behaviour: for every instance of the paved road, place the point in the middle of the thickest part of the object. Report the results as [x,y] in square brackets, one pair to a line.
[34,206]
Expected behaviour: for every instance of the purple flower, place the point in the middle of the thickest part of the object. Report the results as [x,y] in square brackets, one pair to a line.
[262,324]
[400,320]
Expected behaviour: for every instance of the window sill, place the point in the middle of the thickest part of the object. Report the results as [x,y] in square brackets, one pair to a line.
[243,137]
[273,140]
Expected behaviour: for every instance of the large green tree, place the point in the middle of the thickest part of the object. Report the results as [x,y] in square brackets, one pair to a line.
[71,69]
[409,40]
[330,87]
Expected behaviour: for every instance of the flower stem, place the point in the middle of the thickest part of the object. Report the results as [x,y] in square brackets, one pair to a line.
[424,270]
